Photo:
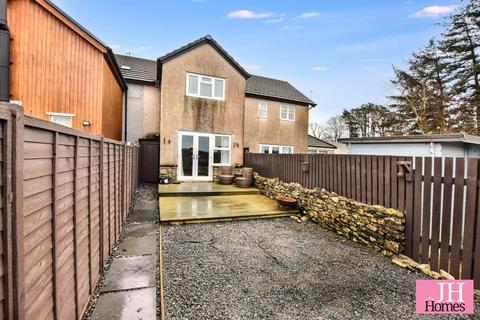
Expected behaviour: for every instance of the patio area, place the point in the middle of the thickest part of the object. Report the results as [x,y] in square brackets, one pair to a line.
[205,201]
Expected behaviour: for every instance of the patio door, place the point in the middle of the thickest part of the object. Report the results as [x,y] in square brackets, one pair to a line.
[195,156]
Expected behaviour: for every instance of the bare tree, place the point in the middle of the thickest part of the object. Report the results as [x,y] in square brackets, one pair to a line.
[332,130]
[317,130]
[336,128]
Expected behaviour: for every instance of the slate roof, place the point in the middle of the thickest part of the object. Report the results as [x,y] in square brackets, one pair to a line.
[273,88]
[318,143]
[207,39]
[142,70]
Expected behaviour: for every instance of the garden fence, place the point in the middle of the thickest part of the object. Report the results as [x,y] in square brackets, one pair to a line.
[64,198]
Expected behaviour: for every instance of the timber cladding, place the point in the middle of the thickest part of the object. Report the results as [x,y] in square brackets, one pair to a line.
[58,67]
[65,197]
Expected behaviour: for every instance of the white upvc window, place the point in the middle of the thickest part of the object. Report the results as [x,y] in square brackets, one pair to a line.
[263,109]
[287,113]
[205,87]
[65,119]
[274,149]
[222,150]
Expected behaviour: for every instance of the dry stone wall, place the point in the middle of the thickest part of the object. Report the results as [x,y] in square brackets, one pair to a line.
[377,227]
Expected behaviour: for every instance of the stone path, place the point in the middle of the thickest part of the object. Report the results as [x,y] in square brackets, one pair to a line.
[129,288]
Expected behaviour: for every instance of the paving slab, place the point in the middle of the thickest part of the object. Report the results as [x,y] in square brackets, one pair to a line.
[131,305]
[138,246]
[218,207]
[140,229]
[145,205]
[143,216]
[130,273]
[202,189]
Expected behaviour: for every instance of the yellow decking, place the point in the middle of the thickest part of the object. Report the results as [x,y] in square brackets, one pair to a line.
[192,202]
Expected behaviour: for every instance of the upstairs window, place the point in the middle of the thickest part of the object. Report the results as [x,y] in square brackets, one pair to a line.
[287,113]
[65,119]
[205,87]
[266,148]
[262,110]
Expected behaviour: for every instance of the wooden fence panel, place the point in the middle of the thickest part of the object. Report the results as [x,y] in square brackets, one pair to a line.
[56,228]
[369,179]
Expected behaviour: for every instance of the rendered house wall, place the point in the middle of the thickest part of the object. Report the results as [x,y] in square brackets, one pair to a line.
[272,130]
[182,113]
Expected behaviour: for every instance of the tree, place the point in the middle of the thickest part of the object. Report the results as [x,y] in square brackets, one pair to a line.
[369,120]
[423,102]
[461,44]
[317,130]
[332,130]
[335,129]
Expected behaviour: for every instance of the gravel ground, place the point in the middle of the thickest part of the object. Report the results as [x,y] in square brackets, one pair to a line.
[279,269]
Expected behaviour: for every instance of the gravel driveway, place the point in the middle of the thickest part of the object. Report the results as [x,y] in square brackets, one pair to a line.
[279,269]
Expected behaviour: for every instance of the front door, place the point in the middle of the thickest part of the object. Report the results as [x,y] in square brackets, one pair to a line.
[194,156]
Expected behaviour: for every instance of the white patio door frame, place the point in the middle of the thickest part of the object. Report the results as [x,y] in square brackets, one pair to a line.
[195,160]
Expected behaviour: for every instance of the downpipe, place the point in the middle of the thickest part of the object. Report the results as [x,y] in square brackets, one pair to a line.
[4,54]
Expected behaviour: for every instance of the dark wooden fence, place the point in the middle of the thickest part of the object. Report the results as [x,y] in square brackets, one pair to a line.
[64,197]
[440,197]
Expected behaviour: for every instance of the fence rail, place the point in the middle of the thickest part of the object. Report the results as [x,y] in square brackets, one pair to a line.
[440,197]
[64,198]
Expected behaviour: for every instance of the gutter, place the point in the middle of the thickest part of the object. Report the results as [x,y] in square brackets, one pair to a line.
[4,54]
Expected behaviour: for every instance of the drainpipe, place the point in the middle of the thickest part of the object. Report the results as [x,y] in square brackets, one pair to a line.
[4,54]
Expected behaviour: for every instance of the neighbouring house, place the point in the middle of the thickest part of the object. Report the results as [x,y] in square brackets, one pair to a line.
[207,110]
[319,146]
[276,117]
[437,145]
[61,72]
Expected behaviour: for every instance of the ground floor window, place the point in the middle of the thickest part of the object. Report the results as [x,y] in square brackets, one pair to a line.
[267,148]
[222,150]
[65,119]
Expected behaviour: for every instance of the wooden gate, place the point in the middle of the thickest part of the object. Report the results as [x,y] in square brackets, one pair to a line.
[149,160]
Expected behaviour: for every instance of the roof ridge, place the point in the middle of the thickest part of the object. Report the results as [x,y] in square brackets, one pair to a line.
[256,75]
[205,39]
[135,57]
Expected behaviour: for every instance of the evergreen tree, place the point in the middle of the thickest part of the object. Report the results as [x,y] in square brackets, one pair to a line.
[461,45]
[423,103]
[369,120]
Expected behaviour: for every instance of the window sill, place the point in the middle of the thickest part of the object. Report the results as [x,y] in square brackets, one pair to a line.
[199,97]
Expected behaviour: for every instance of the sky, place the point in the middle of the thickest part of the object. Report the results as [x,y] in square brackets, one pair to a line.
[340,53]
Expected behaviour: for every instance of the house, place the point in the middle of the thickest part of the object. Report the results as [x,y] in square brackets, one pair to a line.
[318,146]
[207,110]
[276,117]
[61,72]
[437,145]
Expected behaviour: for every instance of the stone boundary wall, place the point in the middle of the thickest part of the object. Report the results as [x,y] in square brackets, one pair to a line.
[379,228]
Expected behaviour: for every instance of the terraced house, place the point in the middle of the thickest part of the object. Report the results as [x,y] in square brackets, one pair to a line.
[206,110]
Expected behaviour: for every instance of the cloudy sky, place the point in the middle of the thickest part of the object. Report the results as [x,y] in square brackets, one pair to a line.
[338,52]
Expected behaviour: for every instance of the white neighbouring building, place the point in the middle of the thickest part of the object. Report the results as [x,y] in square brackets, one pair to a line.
[437,145]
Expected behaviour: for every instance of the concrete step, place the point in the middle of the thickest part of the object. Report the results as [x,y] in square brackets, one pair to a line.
[202,189]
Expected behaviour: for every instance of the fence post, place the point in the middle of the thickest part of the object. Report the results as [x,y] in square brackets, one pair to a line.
[90,173]
[17,214]
[56,302]
[75,228]
[100,206]
[123,184]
